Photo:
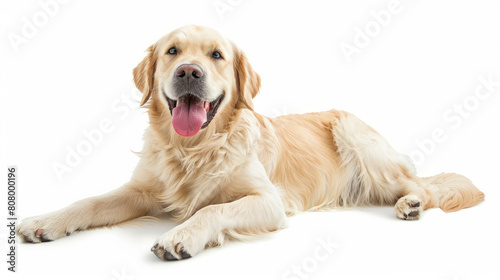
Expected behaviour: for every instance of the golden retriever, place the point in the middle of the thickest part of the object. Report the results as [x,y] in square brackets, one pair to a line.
[227,172]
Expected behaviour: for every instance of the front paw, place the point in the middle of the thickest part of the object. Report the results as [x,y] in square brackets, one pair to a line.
[182,242]
[42,229]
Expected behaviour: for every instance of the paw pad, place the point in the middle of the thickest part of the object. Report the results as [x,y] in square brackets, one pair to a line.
[166,254]
[408,208]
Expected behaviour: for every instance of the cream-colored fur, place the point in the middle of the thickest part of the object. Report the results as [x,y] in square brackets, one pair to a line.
[243,174]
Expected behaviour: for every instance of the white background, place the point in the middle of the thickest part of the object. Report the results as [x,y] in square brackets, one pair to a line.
[75,71]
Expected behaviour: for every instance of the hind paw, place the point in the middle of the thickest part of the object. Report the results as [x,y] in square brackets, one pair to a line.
[408,207]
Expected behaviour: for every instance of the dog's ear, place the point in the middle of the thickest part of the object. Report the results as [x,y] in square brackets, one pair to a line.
[248,81]
[144,74]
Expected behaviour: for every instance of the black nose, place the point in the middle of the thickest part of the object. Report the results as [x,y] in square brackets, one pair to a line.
[189,70]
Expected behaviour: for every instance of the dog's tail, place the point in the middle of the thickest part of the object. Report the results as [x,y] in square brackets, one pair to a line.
[454,192]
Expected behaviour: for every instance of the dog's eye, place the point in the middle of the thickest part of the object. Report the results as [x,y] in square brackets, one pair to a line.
[172,50]
[216,55]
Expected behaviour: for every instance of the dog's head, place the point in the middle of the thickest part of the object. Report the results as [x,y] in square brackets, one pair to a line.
[195,74]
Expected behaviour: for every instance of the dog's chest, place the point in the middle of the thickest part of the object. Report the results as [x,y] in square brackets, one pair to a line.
[196,176]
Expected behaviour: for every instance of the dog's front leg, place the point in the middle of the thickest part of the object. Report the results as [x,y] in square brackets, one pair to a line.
[128,202]
[259,211]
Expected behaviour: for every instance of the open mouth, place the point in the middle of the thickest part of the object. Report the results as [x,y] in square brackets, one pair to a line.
[190,114]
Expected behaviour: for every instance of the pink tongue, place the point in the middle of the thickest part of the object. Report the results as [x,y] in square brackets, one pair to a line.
[188,116]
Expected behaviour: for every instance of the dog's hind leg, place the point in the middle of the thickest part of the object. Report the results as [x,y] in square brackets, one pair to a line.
[416,197]
[448,191]
[375,173]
